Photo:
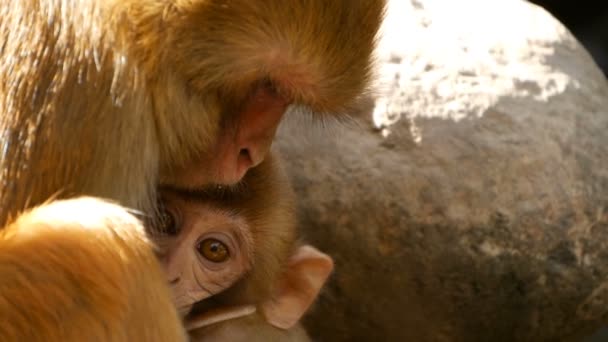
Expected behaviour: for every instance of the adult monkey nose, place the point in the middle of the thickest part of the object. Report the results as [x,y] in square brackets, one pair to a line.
[243,142]
[247,143]
[250,140]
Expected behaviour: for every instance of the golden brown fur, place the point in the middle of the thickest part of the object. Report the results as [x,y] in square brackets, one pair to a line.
[104,97]
[82,270]
[109,98]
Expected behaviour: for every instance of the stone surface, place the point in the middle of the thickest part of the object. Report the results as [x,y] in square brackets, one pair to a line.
[470,203]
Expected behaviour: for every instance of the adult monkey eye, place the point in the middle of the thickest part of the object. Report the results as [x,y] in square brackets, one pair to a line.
[213,250]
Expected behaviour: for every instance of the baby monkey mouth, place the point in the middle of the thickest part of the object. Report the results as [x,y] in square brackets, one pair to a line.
[185,302]
[183,305]
[184,310]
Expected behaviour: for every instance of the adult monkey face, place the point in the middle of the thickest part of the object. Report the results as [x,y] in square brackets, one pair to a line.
[300,52]
[110,98]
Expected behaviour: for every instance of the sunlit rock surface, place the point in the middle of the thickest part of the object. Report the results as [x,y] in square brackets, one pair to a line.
[470,202]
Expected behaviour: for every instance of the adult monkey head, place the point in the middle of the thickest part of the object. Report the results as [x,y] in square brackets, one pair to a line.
[110,98]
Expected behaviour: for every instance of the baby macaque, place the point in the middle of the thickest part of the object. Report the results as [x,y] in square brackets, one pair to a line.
[233,262]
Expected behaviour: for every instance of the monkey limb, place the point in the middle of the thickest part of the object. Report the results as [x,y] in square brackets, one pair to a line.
[250,328]
[82,270]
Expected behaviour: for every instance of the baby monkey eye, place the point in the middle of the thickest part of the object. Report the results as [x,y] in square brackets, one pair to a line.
[213,250]
[166,221]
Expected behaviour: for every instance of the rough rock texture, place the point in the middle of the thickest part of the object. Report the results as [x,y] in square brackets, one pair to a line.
[471,202]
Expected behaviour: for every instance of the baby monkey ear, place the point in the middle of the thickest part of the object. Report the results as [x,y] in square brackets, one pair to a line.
[307,271]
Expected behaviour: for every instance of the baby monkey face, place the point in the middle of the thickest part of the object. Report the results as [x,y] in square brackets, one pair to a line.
[204,248]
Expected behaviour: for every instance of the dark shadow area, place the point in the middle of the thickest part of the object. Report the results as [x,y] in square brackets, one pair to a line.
[587,20]
[600,336]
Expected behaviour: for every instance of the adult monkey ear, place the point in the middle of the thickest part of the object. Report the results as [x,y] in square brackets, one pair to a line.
[307,271]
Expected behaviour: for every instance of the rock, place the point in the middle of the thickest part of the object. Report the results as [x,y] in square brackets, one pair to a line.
[471,202]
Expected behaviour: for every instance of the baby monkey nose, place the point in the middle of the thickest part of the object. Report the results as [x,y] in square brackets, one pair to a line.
[173,280]
[173,274]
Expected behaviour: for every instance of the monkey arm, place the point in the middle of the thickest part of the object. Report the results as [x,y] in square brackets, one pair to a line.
[82,270]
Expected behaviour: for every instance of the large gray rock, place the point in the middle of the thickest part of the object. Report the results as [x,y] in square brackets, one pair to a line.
[470,203]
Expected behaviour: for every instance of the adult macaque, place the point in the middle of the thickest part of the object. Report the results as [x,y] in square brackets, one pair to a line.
[82,270]
[232,255]
[110,98]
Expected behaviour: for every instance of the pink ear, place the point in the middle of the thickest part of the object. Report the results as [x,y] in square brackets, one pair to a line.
[307,271]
